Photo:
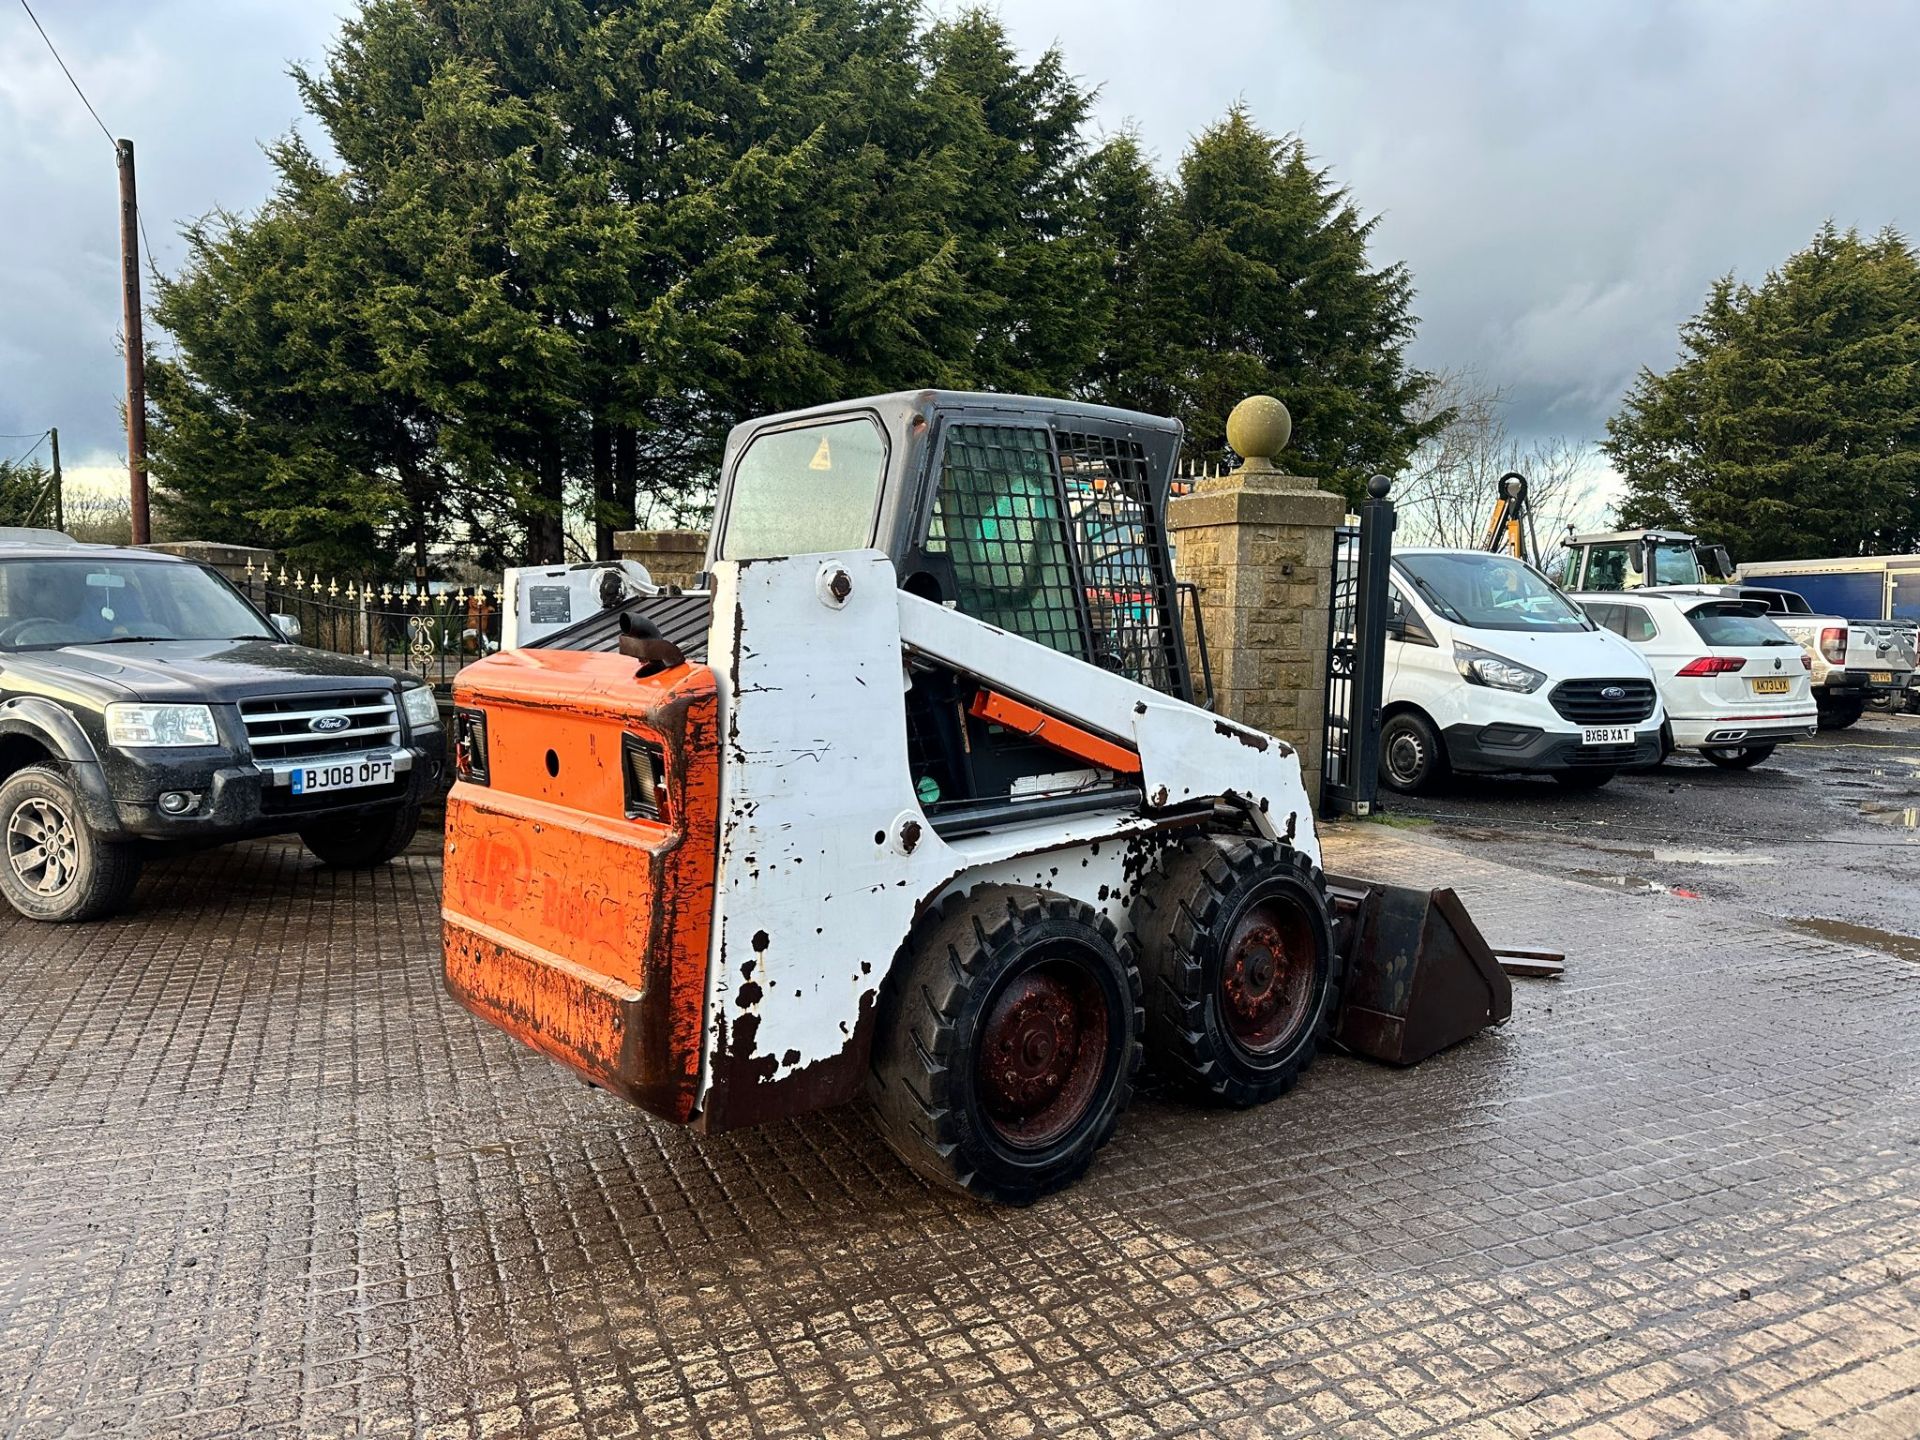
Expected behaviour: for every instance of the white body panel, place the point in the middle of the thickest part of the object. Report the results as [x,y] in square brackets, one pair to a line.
[1724,709]
[826,856]
[1426,677]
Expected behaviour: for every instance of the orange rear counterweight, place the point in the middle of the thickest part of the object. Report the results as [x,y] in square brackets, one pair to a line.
[571,922]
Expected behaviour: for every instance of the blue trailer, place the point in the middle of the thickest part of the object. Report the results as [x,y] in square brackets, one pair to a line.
[1865,587]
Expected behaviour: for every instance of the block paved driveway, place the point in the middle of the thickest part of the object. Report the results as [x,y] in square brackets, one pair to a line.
[259,1177]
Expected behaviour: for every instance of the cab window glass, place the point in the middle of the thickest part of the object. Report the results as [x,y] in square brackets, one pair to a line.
[1606,568]
[1607,617]
[1672,562]
[998,516]
[800,491]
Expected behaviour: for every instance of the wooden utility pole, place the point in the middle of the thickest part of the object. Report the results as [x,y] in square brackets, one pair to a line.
[136,347]
[59,494]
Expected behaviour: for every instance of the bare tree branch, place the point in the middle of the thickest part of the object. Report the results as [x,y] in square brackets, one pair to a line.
[1446,494]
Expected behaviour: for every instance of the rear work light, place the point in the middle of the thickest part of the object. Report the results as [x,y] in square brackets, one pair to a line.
[1833,643]
[1711,665]
[645,767]
[470,746]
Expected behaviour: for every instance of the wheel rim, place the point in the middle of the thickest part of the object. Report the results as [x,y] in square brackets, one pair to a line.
[1406,756]
[42,847]
[1266,977]
[1043,1047]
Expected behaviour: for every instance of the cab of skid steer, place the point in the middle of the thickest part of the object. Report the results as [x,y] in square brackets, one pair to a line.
[1044,517]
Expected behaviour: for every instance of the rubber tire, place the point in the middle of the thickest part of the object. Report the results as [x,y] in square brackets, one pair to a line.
[107,870]
[1738,757]
[923,1064]
[1416,728]
[1584,779]
[1838,715]
[363,841]
[1185,912]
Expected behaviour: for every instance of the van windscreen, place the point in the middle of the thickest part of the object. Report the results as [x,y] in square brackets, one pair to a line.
[1489,592]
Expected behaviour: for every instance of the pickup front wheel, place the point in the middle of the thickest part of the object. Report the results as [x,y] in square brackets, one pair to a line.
[360,842]
[54,868]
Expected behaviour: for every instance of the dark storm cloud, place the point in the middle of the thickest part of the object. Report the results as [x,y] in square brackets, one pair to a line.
[1564,180]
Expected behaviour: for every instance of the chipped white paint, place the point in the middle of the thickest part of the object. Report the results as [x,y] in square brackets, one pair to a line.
[825,853]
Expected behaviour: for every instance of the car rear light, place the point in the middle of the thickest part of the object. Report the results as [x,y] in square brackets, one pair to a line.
[645,768]
[470,746]
[1712,665]
[1806,661]
[1833,643]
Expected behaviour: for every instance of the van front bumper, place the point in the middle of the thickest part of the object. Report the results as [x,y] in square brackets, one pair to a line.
[1500,748]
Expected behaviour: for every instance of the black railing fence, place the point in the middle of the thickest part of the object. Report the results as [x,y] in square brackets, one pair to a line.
[426,632]
[1356,654]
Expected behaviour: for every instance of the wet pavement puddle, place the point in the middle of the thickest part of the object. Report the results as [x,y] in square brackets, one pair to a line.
[1904,947]
[1901,817]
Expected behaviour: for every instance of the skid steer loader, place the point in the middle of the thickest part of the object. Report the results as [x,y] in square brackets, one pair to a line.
[912,798]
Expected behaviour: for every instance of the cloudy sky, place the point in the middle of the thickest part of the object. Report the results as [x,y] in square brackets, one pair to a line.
[1563,179]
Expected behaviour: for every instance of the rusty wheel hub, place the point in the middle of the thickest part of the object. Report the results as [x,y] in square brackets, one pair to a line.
[1042,1048]
[1266,979]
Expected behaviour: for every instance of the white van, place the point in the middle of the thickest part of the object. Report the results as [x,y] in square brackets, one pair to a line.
[1492,670]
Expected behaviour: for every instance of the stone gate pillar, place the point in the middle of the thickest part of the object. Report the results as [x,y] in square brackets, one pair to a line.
[1259,544]
[672,557]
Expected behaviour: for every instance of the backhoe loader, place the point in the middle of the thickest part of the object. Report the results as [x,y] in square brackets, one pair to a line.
[911,797]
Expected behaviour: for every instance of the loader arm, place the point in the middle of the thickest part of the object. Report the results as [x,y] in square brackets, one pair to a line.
[1187,756]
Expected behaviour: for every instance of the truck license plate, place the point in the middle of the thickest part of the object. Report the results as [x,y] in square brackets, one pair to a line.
[1772,685]
[1880,677]
[1607,735]
[342,775]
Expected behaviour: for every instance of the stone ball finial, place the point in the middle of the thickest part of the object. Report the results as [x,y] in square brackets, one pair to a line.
[1258,429]
[1378,487]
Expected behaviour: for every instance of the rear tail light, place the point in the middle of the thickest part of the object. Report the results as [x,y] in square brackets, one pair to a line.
[1806,661]
[470,746]
[1712,665]
[1833,643]
[645,767]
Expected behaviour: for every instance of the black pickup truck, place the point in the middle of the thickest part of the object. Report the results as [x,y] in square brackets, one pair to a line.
[146,704]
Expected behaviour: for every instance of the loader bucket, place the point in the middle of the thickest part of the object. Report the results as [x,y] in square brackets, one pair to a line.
[1419,974]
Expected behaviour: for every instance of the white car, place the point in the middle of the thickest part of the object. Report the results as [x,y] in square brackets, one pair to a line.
[1735,684]
[1490,669]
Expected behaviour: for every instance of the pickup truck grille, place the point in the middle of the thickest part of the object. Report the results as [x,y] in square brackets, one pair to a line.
[1585,703]
[281,727]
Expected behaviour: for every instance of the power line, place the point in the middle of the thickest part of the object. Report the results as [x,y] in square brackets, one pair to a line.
[69,74]
[153,263]
[27,454]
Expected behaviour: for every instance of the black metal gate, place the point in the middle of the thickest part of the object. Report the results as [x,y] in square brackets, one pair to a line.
[1356,656]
